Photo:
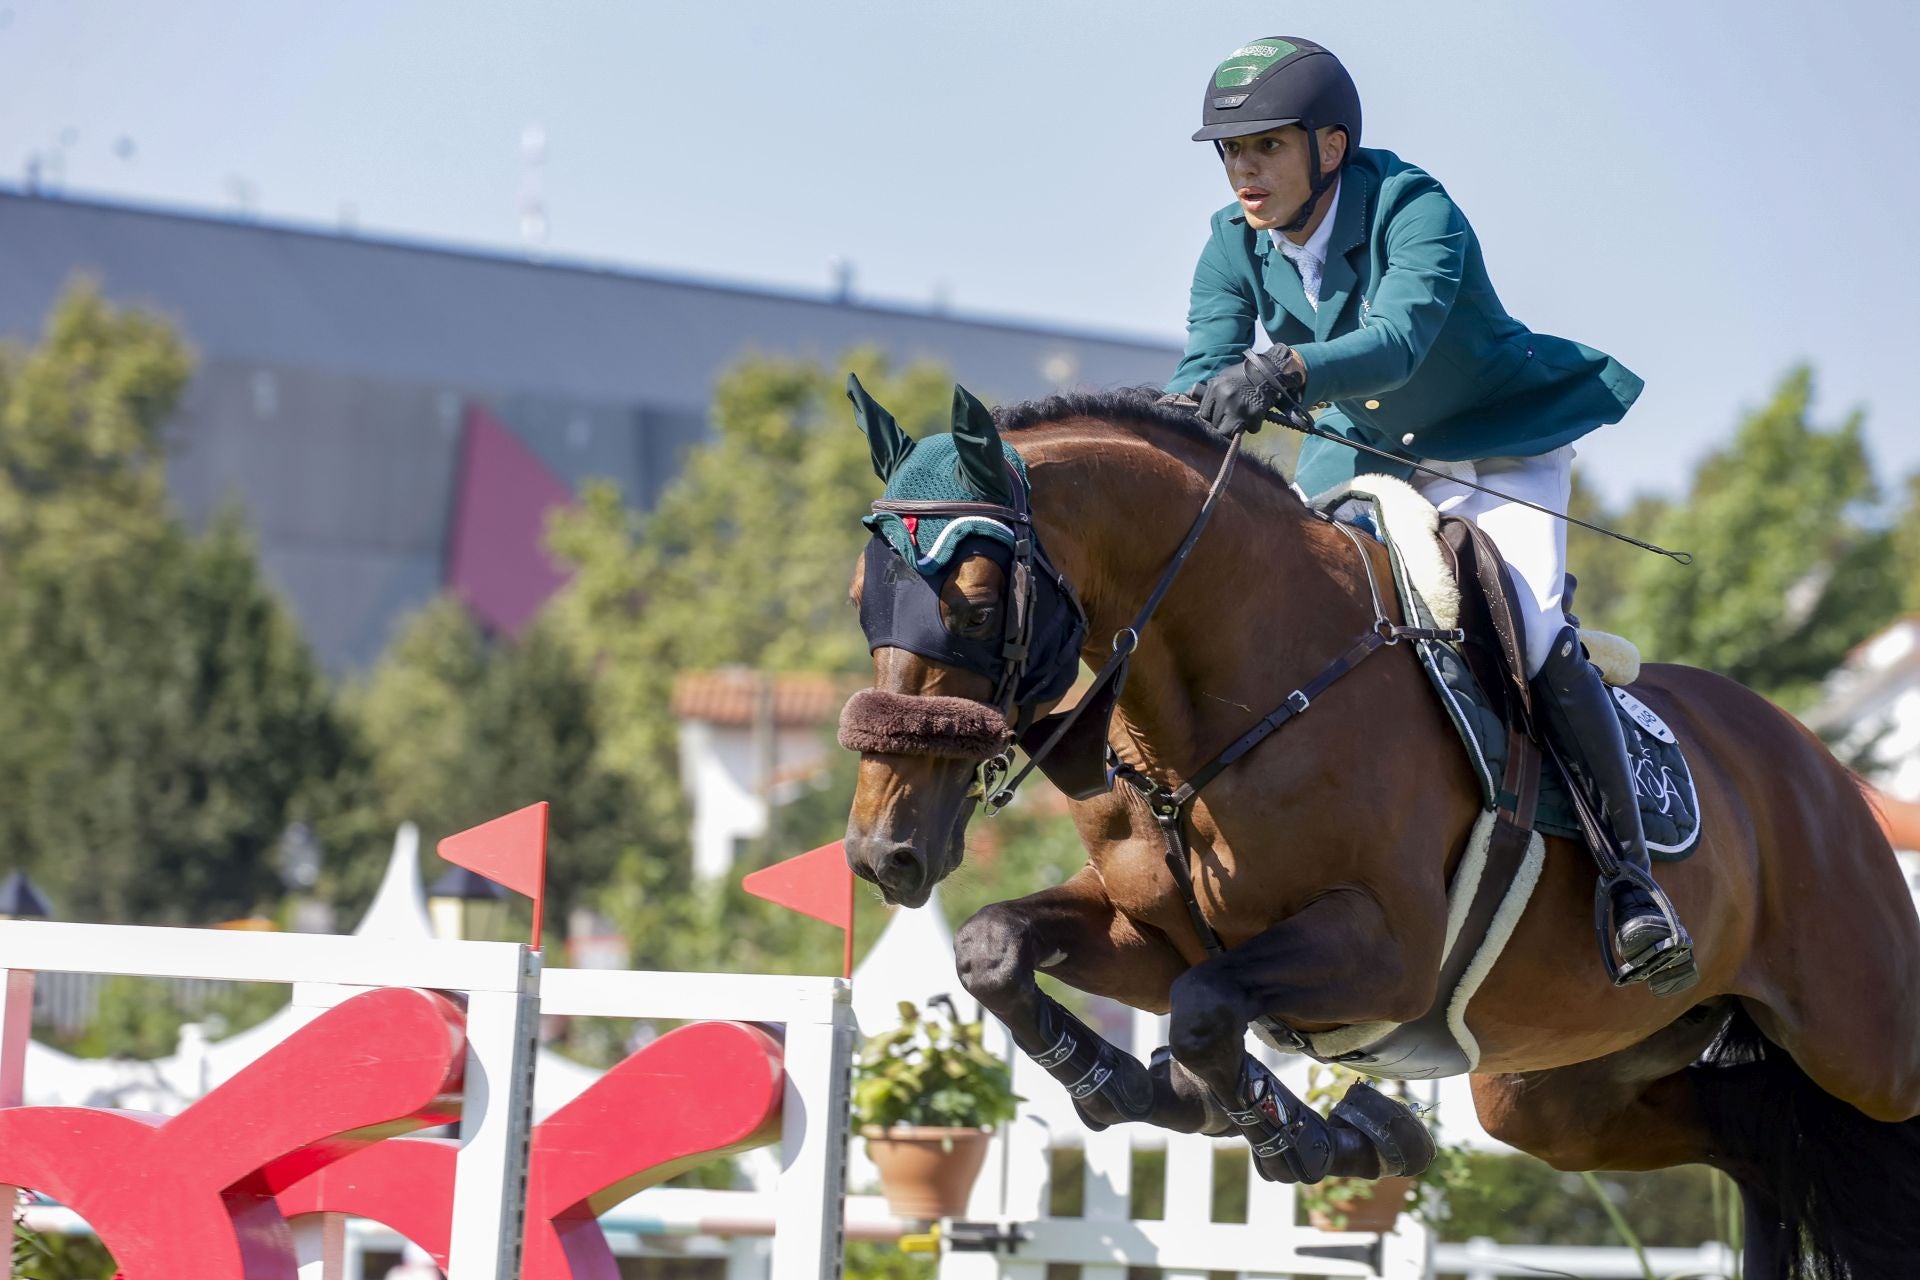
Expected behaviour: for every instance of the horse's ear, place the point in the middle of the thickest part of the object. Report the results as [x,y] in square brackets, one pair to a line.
[976,440]
[888,444]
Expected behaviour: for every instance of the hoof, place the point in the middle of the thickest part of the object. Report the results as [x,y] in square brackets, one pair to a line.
[1392,1128]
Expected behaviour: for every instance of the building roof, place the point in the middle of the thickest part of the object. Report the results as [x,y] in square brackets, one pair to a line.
[488,322]
[730,697]
[1874,670]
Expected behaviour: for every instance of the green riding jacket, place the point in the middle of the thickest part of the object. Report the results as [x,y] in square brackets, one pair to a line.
[1410,348]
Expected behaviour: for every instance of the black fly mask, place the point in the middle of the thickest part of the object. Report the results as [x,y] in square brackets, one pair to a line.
[948,498]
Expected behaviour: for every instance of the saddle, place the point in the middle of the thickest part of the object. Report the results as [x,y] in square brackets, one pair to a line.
[1451,576]
[1504,856]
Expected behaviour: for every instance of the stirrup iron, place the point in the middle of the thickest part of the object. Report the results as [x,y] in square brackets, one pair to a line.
[1669,968]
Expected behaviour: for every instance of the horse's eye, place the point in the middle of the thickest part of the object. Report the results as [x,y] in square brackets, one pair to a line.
[979,615]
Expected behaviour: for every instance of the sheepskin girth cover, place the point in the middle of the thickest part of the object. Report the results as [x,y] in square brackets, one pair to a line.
[899,724]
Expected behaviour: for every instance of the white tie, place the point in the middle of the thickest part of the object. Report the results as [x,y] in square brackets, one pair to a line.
[1310,269]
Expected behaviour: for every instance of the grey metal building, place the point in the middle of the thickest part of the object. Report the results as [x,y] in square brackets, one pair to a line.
[336,375]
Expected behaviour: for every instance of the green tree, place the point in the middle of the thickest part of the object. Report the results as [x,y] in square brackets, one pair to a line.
[165,720]
[1906,547]
[746,561]
[746,558]
[464,728]
[1605,566]
[1516,1199]
[1787,573]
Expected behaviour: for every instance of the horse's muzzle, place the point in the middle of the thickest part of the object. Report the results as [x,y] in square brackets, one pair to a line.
[880,723]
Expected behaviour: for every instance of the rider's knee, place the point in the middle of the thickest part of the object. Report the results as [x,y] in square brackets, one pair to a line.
[989,951]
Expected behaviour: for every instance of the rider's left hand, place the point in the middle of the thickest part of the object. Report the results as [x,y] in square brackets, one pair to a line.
[1237,399]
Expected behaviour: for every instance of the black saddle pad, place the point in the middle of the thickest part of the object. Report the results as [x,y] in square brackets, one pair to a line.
[1669,807]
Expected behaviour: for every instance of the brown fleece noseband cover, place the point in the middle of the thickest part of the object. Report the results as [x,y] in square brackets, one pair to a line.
[899,724]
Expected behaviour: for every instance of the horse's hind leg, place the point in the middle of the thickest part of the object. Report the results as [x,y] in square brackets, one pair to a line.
[1073,932]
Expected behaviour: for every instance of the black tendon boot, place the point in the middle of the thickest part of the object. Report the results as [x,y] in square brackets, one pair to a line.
[1367,1135]
[1107,1086]
[1649,943]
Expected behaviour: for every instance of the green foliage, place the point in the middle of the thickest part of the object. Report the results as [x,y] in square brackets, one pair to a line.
[747,557]
[165,719]
[141,1017]
[1515,1199]
[931,1072]
[1906,547]
[48,1256]
[745,561]
[1787,573]
[1605,566]
[463,728]
[882,1260]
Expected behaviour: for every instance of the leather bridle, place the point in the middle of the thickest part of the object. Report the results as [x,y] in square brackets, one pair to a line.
[1040,738]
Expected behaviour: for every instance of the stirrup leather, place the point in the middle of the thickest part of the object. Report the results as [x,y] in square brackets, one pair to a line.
[1667,969]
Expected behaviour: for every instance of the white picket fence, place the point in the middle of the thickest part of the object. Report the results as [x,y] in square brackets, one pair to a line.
[806,1213]
[1482,1259]
[1012,1199]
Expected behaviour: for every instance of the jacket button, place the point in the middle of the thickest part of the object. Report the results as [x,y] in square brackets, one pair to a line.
[1373,404]
[1407,438]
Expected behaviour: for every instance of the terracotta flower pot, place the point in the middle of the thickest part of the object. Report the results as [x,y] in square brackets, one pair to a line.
[1377,1212]
[926,1171]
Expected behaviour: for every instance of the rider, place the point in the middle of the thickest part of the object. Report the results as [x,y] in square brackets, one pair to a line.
[1370,283]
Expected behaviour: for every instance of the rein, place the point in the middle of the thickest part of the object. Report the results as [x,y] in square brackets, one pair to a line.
[1114,670]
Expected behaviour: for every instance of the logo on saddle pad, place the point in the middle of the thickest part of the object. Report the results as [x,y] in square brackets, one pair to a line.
[1643,715]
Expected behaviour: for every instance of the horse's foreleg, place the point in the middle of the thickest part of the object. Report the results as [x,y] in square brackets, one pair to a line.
[1073,932]
[1334,961]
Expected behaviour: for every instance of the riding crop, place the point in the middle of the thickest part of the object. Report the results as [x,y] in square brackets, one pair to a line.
[1296,419]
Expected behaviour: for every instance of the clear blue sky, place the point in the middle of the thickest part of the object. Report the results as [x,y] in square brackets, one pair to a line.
[1710,189]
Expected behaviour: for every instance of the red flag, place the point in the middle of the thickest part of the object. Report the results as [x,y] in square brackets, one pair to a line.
[818,883]
[510,850]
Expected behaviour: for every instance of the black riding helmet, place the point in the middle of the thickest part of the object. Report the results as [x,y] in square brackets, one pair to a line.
[1277,81]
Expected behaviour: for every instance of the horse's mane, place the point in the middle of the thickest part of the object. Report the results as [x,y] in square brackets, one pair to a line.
[1135,409]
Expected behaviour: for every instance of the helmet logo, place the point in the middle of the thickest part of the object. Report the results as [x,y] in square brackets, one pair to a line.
[1247,63]
[1231,100]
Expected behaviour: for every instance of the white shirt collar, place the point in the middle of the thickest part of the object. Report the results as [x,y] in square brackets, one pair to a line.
[1316,245]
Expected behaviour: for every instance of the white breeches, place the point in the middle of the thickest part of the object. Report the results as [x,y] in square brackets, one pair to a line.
[1534,544]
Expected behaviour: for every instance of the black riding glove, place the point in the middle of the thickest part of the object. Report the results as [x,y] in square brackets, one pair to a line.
[1237,399]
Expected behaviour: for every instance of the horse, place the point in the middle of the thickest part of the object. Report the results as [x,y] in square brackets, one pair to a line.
[1321,859]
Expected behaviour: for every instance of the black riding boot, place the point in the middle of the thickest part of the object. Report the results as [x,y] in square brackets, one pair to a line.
[1649,943]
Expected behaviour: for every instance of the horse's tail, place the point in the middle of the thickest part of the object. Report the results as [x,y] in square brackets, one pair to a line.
[1829,1194]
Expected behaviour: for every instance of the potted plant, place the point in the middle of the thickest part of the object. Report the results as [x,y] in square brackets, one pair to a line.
[1366,1204]
[926,1096]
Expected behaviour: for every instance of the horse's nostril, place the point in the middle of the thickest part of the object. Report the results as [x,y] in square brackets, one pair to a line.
[902,860]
